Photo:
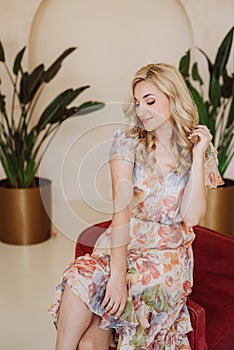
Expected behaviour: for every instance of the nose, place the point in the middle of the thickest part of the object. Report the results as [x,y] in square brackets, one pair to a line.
[141,111]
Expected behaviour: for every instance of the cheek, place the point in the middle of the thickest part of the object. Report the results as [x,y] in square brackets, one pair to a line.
[167,108]
[137,111]
[165,111]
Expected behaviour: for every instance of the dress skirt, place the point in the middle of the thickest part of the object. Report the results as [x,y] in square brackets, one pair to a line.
[159,279]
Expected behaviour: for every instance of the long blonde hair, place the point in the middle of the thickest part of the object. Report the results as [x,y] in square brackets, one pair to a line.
[182,109]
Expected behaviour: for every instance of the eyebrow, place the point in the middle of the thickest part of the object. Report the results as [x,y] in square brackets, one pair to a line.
[147,95]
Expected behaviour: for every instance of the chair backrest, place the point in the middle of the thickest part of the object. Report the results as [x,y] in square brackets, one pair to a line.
[88,238]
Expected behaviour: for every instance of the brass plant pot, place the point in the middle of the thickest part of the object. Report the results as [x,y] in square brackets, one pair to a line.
[25,213]
[220,209]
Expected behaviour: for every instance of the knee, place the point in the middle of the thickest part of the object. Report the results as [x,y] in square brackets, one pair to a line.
[92,343]
[87,343]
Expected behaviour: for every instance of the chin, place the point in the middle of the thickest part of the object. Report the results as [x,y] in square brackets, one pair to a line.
[151,128]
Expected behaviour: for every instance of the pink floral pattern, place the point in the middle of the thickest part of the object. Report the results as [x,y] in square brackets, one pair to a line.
[160,260]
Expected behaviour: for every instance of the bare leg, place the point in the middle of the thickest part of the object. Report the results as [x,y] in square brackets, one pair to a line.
[74,319]
[95,338]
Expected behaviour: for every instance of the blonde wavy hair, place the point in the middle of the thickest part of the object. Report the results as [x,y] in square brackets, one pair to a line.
[182,108]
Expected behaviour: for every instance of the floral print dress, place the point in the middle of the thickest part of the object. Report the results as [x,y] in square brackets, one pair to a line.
[160,260]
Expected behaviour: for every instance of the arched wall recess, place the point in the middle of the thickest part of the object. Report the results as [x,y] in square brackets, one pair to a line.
[114,39]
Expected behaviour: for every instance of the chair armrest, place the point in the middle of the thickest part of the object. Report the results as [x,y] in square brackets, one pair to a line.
[213,251]
[197,337]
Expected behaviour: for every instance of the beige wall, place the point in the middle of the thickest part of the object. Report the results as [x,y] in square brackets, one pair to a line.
[114,38]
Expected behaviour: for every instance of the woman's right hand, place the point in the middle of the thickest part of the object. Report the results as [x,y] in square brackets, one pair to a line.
[116,295]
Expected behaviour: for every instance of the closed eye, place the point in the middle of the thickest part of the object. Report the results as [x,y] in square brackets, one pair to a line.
[151,103]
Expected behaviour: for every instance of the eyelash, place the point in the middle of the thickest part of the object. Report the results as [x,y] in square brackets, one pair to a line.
[148,103]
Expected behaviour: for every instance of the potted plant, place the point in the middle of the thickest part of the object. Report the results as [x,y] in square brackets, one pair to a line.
[23,196]
[215,103]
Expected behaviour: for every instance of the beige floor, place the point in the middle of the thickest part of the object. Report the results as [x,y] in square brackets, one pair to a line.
[29,275]
[28,278]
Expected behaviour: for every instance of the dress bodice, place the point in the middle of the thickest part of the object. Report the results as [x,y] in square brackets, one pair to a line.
[157,198]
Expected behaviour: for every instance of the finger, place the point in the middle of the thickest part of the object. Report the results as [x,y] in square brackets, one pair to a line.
[114,309]
[120,310]
[110,305]
[105,301]
[193,138]
[197,133]
[205,127]
[201,127]
[201,133]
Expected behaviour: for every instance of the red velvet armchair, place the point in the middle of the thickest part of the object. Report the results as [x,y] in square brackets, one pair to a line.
[211,304]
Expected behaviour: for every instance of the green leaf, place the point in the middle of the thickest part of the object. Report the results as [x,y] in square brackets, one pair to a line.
[211,120]
[225,153]
[3,105]
[17,62]
[201,105]
[184,64]
[18,151]
[30,141]
[84,108]
[230,118]
[7,164]
[30,172]
[54,111]
[229,158]
[54,68]
[2,55]
[226,88]
[223,54]
[196,76]
[30,84]
[24,88]
[210,64]
[215,91]
[88,107]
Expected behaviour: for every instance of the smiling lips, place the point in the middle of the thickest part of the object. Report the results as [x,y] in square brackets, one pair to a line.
[146,120]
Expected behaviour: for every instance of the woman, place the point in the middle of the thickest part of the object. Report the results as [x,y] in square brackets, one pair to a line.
[140,273]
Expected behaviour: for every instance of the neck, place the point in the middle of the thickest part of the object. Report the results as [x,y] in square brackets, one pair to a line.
[164,134]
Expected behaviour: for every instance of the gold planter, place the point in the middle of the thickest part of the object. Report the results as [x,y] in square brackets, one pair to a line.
[25,213]
[220,209]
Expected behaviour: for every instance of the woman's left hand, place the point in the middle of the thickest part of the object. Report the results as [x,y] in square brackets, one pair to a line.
[201,137]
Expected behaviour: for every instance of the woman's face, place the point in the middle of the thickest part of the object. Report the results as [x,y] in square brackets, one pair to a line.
[152,105]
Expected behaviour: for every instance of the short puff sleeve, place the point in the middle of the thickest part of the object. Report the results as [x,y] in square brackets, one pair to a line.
[123,147]
[211,172]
